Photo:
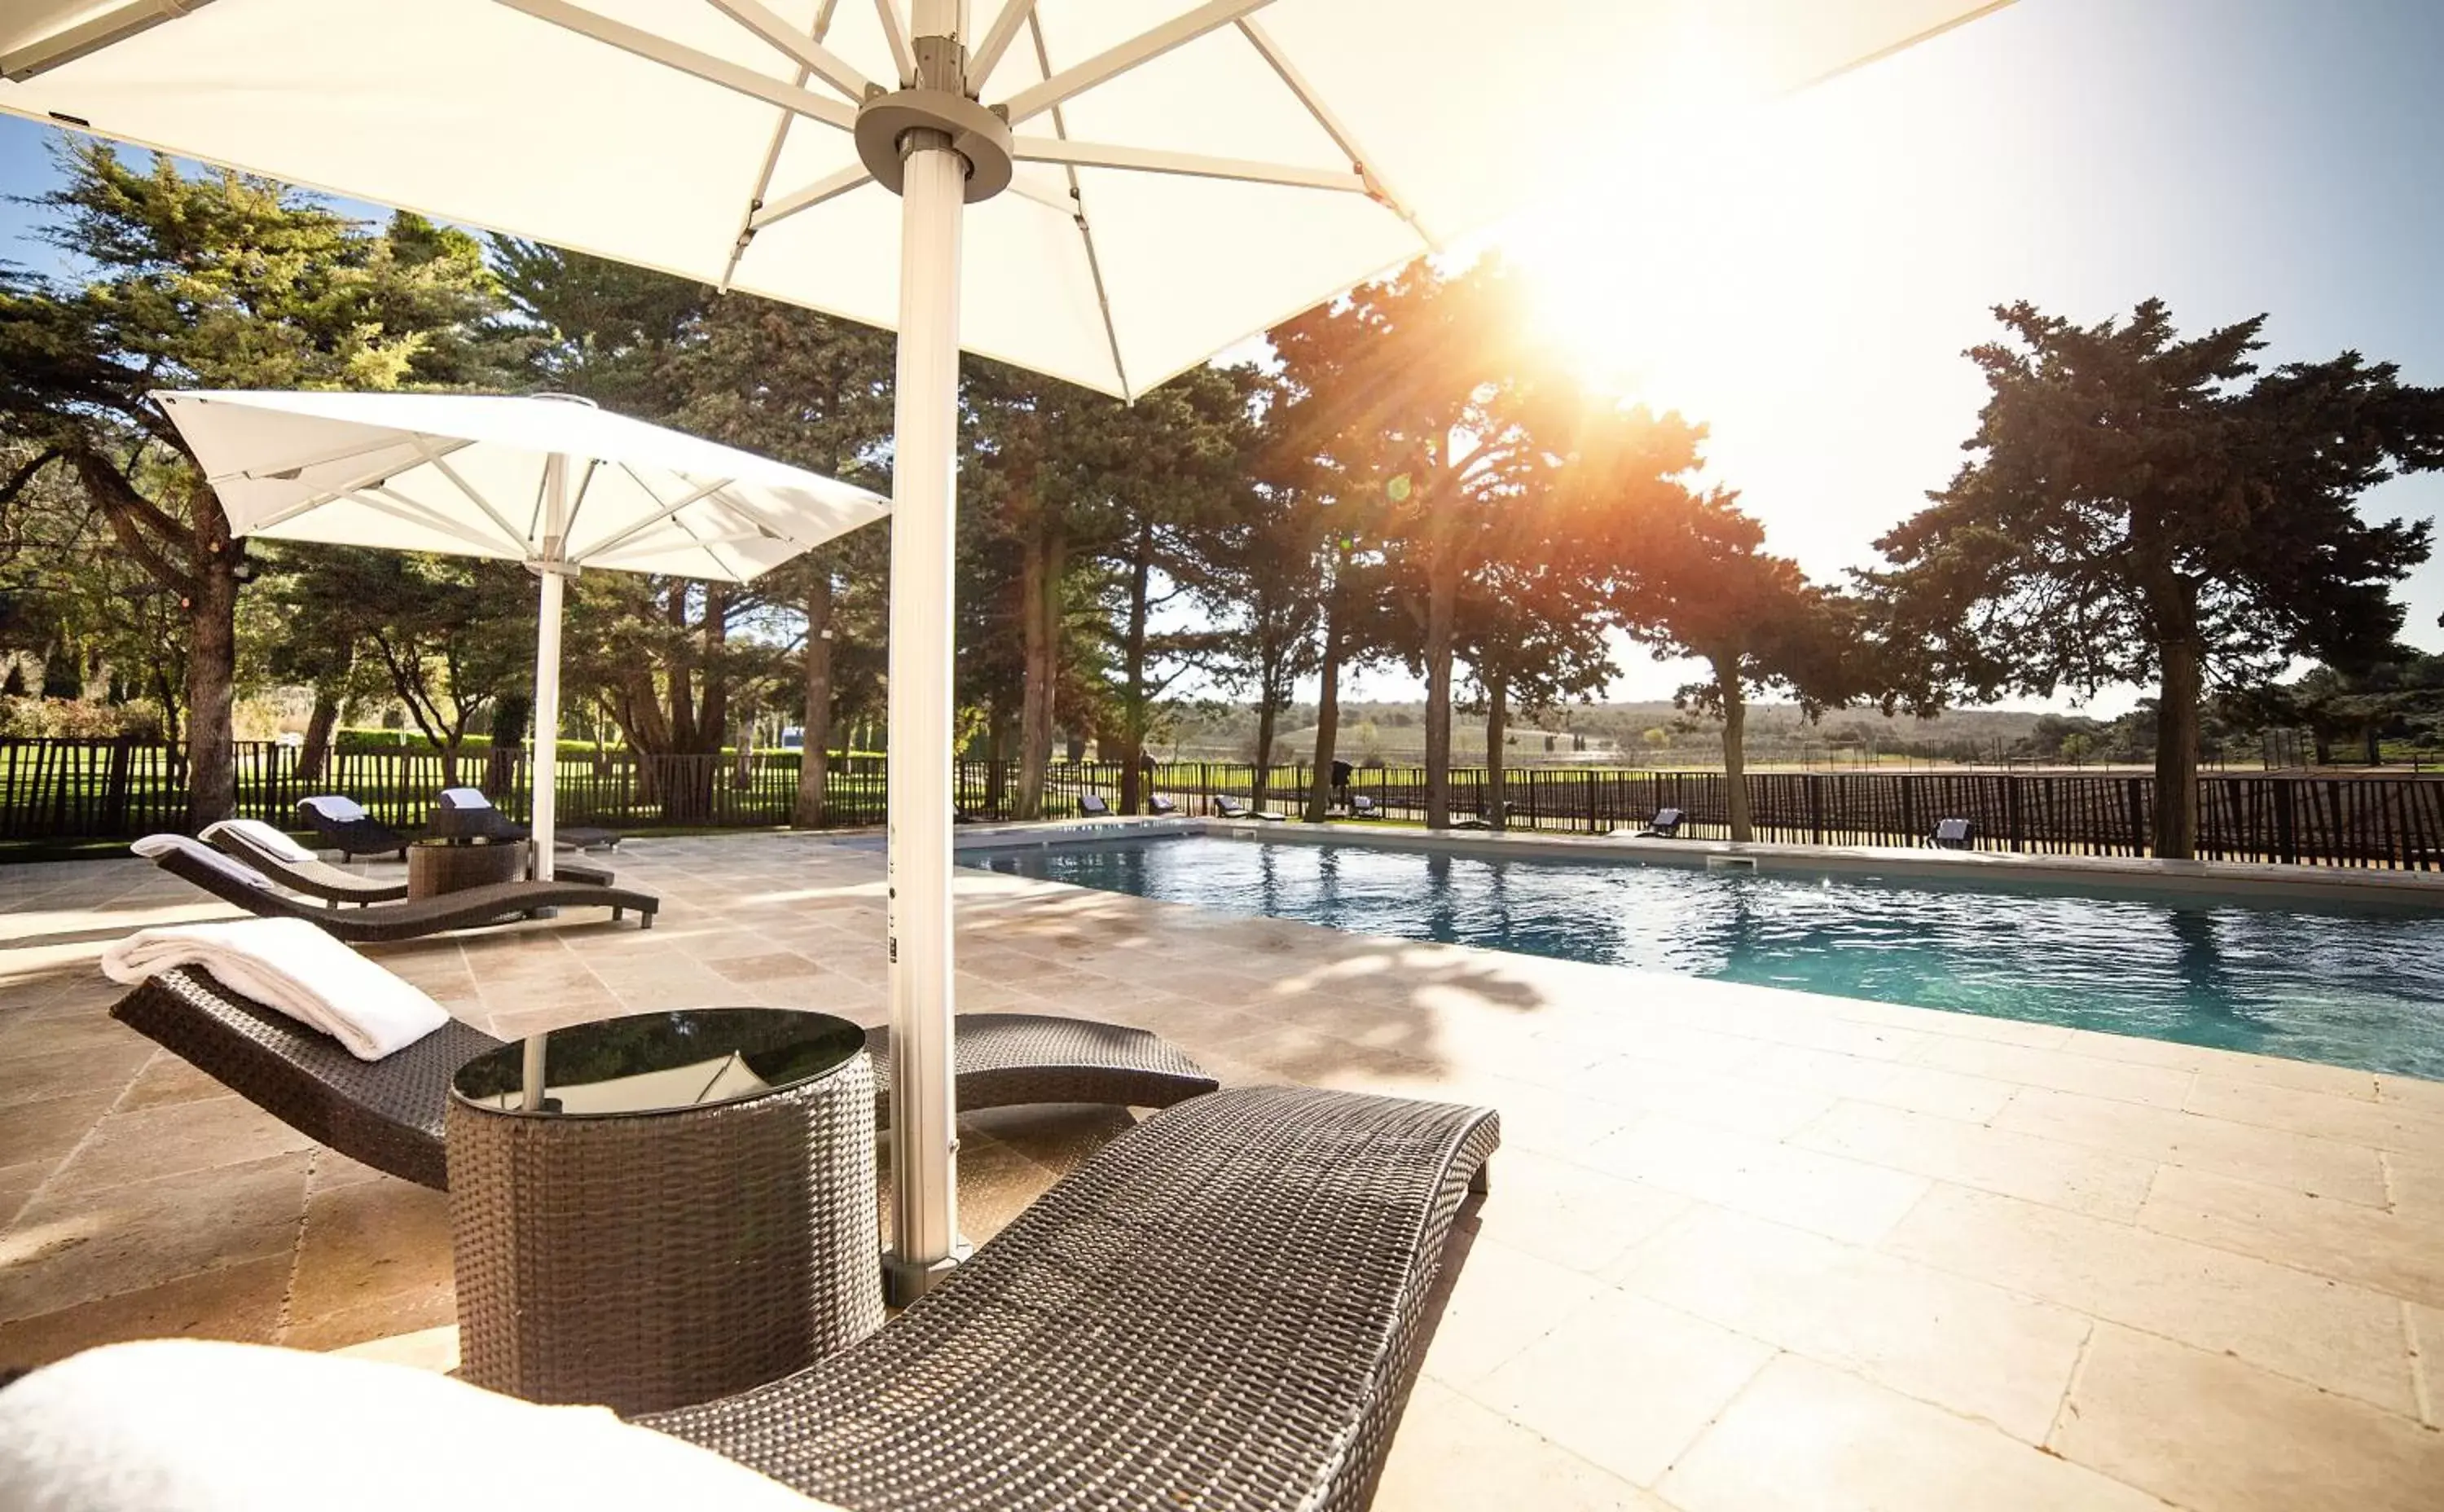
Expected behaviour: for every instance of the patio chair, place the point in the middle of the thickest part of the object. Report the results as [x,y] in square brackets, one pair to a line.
[235,882]
[1225,1306]
[1161,804]
[1091,805]
[388,1113]
[1953,834]
[1665,827]
[268,850]
[343,826]
[465,813]
[1230,807]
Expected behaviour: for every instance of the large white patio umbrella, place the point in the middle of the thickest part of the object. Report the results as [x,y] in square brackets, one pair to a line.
[1106,191]
[546,480]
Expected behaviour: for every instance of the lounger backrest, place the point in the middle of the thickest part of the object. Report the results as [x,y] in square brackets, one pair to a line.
[262,836]
[153,847]
[333,807]
[1666,818]
[1163,805]
[463,798]
[1362,804]
[1951,829]
[1093,806]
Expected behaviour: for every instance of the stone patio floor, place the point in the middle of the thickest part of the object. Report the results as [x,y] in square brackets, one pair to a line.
[1744,1250]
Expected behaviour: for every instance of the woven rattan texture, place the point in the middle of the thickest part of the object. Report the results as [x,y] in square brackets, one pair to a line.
[385,1112]
[1010,1059]
[496,904]
[654,1261]
[1221,1311]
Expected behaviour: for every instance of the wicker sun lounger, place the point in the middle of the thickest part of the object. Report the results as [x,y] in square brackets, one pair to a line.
[269,852]
[343,826]
[499,903]
[388,1113]
[1222,1308]
[465,813]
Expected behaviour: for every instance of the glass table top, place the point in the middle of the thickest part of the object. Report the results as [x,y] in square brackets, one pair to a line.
[658,1062]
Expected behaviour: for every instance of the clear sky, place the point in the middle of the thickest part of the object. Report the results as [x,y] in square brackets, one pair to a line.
[1807,281]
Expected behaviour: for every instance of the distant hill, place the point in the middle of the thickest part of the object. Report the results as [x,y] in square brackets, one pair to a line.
[1650,733]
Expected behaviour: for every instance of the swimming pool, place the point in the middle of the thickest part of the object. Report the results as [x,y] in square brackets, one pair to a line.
[2354,985]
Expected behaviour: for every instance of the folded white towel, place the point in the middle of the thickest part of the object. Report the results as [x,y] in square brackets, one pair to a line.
[205,1427]
[291,966]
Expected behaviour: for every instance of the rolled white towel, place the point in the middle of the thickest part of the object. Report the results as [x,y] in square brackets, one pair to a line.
[291,966]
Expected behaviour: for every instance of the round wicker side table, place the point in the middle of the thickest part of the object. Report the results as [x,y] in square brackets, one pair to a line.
[434,867]
[653,1211]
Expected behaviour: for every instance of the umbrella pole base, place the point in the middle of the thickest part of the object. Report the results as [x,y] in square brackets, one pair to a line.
[904,1279]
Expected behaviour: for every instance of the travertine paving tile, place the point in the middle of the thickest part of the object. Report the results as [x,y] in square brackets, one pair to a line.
[28,1078]
[76,1248]
[49,1130]
[2326,1167]
[1981,1351]
[2212,1432]
[2385,1126]
[174,1137]
[2341,1337]
[2154,1087]
[2389,1252]
[1804,1437]
[1499,1301]
[240,1302]
[1454,1455]
[1842,1199]
[2080,1178]
[1625,1383]
[1584,1218]
[1767,1110]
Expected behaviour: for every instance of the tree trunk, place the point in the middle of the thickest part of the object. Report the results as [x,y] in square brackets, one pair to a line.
[1442,608]
[2177,752]
[1133,687]
[1735,752]
[315,754]
[212,677]
[2374,748]
[1497,714]
[1039,591]
[997,751]
[1268,708]
[1327,711]
[813,751]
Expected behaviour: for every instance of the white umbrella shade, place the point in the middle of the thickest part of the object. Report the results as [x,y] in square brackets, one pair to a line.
[1106,191]
[551,482]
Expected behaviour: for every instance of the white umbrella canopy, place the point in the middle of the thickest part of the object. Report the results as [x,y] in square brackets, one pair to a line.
[551,482]
[1105,190]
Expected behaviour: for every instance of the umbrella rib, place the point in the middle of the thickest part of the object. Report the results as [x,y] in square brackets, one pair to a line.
[747,226]
[1078,211]
[509,532]
[812,56]
[704,65]
[1194,165]
[1341,135]
[895,32]
[398,507]
[349,488]
[90,37]
[997,41]
[577,501]
[661,512]
[286,472]
[764,525]
[829,187]
[1111,63]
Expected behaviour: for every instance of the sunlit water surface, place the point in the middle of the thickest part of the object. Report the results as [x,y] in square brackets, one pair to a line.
[2355,986]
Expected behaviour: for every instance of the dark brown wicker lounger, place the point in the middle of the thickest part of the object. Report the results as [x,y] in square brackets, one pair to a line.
[471,908]
[313,878]
[1223,1308]
[387,1112]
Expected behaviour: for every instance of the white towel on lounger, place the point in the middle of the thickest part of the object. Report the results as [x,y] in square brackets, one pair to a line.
[291,966]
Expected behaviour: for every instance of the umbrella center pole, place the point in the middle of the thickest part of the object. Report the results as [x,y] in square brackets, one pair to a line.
[543,720]
[933,179]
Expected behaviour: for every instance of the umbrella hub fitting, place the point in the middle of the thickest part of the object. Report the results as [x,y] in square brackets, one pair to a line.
[976,133]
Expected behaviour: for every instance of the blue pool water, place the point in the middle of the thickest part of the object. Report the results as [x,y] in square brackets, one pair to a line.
[2357,986]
